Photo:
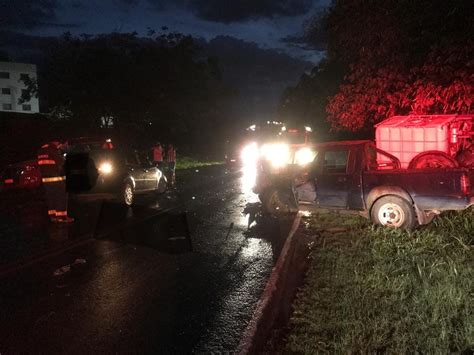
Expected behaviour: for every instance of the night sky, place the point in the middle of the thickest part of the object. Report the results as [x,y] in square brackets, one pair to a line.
[259,43]
[265,22]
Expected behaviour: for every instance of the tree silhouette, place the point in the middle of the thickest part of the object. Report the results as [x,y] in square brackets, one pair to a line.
[158,87]
[394,57]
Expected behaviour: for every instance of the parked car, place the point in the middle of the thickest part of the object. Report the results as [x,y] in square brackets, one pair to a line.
[356,176]
[122,172]
[22,175]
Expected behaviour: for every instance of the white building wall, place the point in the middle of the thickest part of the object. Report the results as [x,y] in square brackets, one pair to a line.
[11,87]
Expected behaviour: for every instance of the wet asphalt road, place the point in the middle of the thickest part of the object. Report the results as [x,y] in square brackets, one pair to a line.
[146,286]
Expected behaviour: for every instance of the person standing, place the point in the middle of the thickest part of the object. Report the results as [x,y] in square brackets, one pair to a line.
[157,151]
[171,157]
[50,162]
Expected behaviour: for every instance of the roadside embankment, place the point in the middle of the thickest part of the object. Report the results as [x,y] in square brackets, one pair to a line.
[370,290]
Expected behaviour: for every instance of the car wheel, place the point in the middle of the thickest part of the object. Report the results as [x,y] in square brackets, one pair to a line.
[162,185]
[128,194]
[393,212]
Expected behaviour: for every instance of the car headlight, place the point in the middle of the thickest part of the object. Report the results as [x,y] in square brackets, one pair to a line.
[105,168]
[277,154]
[249,154]
[304,156]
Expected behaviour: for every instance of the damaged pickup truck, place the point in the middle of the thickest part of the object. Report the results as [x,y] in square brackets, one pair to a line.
[356,176]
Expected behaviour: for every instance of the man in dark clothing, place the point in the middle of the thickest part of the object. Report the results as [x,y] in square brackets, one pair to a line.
[50,162]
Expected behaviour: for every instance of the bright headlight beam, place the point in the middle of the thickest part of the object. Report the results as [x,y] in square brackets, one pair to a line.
[105,168]
[277,154]
[304,156]
[249,154]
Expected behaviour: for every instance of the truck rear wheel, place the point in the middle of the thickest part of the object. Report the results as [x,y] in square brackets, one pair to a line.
[393,212]
[432,159]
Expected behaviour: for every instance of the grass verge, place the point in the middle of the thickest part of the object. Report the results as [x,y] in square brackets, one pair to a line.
[371,290]
[190,163]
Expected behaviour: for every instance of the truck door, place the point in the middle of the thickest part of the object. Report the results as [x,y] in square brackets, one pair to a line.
[333,177]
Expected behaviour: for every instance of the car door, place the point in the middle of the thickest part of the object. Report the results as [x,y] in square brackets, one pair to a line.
[150,173]
[134,169]
[332,178]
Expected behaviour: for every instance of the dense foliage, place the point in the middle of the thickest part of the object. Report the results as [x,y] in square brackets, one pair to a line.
[155,87]
[391,57]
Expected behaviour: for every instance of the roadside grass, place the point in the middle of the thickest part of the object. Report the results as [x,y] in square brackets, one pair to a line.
[190,163]
[372,290]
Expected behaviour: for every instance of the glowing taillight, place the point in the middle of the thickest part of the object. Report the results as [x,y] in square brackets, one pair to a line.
[9,181]
[465,185]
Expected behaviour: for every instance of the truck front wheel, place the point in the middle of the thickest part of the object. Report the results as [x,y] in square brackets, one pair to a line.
[394,212]
[277,202]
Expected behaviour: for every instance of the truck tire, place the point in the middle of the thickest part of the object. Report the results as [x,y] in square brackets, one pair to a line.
[128,194]
[276,202]
[432,159]
[394,212]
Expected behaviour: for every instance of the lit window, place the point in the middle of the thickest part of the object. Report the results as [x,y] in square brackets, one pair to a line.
[26,107]
[4,75]
[7,106]
[24,76]
[6,91]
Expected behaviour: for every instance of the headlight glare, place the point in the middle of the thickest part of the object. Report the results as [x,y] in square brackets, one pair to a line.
[105,168]
[249,154]
[304,156]
[277,154]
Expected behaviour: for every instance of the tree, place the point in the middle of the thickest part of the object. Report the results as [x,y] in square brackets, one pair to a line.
[155,87]
[306,102]
[397,57]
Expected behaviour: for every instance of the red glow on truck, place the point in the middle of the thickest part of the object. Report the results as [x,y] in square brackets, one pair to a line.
[427,141]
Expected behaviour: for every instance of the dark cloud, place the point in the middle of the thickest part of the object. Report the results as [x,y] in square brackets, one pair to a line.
[127,2]
[304,42]
[259,75]
[238,10]
[29,14]
[313,35]
[126,5]
[26,14]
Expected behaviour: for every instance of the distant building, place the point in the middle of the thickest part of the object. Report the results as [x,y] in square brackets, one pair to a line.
[12,86]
